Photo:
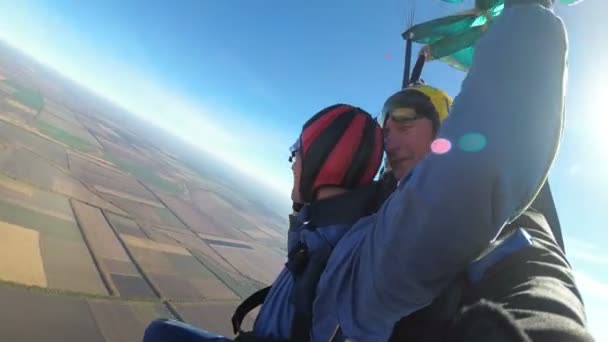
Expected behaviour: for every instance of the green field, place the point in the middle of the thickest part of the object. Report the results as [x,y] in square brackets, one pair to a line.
[65,137]
[45,224]
[28,97]
[144,174]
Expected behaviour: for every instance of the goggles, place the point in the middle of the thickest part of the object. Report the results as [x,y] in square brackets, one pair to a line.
[416,96]
[399,114]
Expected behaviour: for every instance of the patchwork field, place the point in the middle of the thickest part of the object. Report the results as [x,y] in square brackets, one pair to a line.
[40,223]
[247,260]
[156,215]
[178,275]
[66,132]
[53,108]
[124,225]
[211,315]
[143,166]
[120,272]
[25,165]
[10,134]
[125,321]
[199,221]
[55,318]
[110,180]
[22,244]
[102,233]
[224,215]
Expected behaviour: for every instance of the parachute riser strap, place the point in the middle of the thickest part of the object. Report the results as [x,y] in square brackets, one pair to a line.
[408,62]
[417,71]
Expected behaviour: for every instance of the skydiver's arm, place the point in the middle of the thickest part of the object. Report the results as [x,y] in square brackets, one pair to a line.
[454,204]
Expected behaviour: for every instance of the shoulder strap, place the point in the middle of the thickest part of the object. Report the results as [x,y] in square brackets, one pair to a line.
[304,292]
[246,306]
[301,327]
[498,251]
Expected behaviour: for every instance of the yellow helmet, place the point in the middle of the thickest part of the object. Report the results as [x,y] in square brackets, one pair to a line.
[426,101]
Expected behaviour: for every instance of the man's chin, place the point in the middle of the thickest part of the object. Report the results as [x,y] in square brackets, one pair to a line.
[295,198]
[401,170]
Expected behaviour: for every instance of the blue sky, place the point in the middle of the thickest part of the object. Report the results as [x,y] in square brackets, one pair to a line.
[238,78]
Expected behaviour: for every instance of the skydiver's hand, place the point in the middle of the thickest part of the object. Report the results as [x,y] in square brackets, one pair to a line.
[296,207]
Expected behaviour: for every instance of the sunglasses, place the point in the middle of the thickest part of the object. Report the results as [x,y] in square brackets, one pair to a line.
[294,149]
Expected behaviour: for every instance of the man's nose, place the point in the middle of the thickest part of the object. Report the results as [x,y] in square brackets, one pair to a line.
[390,143]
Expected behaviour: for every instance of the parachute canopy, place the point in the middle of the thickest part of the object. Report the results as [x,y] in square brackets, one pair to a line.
[452,39]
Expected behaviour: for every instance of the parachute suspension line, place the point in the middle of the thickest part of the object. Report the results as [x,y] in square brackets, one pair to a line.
[408,45]
[412,14]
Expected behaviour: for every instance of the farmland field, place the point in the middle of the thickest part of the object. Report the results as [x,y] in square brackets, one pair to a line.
[102,232]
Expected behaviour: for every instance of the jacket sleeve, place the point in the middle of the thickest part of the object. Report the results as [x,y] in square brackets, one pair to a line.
[535,287]
[504,128]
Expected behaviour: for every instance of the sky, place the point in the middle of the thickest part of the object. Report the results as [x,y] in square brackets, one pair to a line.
[239,78]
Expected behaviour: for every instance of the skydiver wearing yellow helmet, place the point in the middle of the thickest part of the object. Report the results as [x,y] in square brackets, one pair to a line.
[410,120]
[489,307]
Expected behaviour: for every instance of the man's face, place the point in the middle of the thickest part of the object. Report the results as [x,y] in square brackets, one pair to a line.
[407,142]
[296,169]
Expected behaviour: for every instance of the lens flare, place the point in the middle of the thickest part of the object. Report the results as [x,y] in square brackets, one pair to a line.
[441,146]
[472,142]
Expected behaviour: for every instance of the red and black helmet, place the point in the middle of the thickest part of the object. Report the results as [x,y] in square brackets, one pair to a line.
[340,146]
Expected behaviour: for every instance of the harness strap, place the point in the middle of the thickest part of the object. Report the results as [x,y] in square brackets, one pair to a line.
[304,293]
[246,306]
[497,251]
[301,327]
[408,62]
[417,71]
[297,258]
[250,337]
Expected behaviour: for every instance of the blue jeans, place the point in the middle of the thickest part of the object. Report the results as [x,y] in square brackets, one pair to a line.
[165,330]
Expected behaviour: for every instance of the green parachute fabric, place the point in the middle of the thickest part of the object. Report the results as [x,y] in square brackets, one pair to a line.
[452,39]
[481,3]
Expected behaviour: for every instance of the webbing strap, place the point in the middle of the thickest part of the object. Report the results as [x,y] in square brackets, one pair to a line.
[408,61]
[417,71]
[246,306]
[300,328]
